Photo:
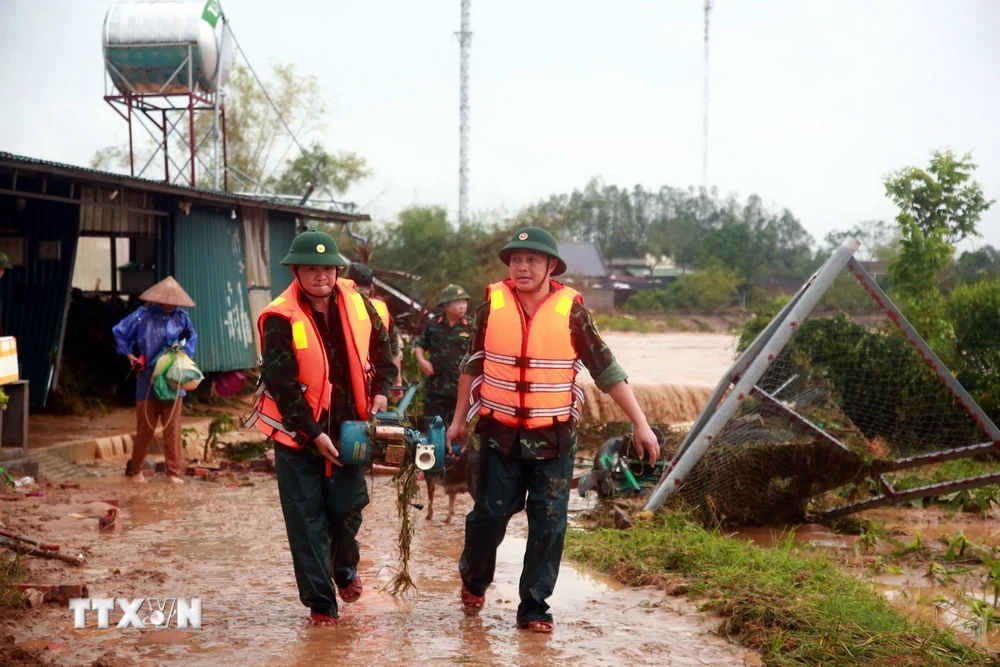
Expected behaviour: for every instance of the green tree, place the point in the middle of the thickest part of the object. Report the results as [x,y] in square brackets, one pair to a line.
[978,265]
[337,170]
[874,236]
[711,288]
[938,207]
[755,243]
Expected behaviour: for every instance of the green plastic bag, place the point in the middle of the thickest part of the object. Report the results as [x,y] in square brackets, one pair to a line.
[174,370]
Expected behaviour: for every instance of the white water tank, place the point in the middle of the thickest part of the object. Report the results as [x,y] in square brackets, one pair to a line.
[146,43]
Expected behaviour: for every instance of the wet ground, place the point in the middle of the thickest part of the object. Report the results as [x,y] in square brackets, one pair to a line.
[956,594]
[227,546]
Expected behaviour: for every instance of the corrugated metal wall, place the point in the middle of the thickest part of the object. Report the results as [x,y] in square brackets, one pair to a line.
[34,296]
[164,248]
[209,263]
[281,232]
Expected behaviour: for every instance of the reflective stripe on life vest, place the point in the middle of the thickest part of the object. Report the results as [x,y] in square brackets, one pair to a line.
[529,367]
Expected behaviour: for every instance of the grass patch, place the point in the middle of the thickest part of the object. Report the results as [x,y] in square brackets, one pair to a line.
[624,323]
[246,451]
[12,603]
[795,610]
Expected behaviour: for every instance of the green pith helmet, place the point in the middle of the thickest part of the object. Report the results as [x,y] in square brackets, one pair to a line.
[537,239]
[5,261]
[361,274]
[314,248]
[452,293]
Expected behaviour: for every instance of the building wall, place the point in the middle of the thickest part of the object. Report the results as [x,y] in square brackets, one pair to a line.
[281,231]
[599,300]
[34,296]
[210,264]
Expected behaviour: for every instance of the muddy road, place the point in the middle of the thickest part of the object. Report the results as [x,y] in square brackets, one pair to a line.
[227,546]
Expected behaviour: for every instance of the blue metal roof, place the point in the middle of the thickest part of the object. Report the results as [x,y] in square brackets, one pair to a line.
[216,196]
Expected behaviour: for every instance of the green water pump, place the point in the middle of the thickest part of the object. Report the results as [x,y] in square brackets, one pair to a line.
[387,439]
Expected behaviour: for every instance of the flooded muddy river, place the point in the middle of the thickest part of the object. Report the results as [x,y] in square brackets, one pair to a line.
[227,546]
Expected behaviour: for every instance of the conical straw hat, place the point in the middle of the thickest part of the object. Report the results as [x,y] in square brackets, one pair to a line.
[167,292]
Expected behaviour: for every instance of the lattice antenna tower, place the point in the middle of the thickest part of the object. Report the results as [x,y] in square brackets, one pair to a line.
[704,127]
[465,46]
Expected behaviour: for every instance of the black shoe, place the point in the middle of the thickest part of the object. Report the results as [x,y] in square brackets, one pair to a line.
[128,468]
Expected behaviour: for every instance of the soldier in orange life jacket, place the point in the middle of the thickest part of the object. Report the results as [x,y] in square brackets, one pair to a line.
[364,279]
[325,358]
[533,335]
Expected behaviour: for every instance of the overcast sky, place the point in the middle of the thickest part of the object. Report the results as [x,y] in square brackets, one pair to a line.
[811,103]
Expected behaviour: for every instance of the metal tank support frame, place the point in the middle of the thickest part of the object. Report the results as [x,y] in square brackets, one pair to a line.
[165,110]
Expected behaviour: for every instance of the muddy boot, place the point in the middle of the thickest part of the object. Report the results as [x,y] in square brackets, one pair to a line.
[128,468]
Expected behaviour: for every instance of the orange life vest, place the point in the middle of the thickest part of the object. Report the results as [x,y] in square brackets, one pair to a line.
[310,353]
[529,368]
[382,308]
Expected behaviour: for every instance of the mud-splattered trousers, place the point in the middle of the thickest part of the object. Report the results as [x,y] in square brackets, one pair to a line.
[506,481]
[311,526]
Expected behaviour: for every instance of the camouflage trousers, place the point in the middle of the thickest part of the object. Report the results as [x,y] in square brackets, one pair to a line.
[507,485]
[322,517]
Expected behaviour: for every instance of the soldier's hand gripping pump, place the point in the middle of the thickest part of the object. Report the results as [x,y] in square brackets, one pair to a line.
[386,438]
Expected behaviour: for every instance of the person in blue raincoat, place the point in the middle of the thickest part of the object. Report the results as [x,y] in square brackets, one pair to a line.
[142,336]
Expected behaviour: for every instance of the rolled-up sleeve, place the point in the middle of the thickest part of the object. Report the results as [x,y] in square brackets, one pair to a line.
[593,351]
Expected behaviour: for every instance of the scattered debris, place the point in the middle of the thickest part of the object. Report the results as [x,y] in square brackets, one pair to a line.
[26,550]
[34,597]
[47,547]
[622,520]
[55,594]
[108,521]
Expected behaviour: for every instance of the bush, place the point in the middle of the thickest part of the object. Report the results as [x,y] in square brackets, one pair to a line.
[615,323]
[879,381]
[974,313]
[708,289]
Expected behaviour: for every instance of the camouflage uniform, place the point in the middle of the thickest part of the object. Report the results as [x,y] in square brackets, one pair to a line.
[446,345]
[528,469]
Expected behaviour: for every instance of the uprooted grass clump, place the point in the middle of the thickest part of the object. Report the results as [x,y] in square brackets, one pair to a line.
[405,483]
[795,610]
[12,602]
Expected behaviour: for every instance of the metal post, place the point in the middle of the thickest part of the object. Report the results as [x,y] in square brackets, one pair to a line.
[131,153]
[225,159]
[465,46]
[733,375]
[166,157]
[815,289]
[215,110]
[191,110]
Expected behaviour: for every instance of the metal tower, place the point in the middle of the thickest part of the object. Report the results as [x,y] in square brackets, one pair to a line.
[465,45]
[704,129]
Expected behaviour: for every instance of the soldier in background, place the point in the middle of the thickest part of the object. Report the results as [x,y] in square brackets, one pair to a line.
[440,349]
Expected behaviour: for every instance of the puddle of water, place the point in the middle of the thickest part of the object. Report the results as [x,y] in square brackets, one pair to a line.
[815,534]
[228,547]
[913,593]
